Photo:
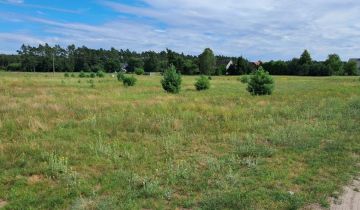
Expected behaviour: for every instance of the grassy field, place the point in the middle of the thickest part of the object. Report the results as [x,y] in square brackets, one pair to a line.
[67,144]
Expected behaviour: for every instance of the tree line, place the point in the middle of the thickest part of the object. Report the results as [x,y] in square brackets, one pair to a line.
[45,58]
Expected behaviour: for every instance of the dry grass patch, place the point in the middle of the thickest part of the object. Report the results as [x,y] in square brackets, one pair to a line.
[33,179]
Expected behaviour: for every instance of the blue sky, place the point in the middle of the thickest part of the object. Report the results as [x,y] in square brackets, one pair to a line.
[258,30]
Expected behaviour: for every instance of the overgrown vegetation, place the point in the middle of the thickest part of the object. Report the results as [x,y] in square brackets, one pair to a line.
[70,146]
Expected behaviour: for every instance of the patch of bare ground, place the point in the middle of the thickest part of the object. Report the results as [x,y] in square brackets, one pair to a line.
[350,199]
[2,203]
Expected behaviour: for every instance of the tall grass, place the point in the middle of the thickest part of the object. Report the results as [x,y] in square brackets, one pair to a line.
[132,148]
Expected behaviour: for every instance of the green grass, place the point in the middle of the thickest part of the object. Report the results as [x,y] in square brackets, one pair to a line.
[67,143]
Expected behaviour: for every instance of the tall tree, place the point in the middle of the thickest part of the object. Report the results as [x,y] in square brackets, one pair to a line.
[134,63]
[207,62]
[71,57]
[243,66]
[335,64]
[112,65]
[151,63]
[350,68]
[305,58]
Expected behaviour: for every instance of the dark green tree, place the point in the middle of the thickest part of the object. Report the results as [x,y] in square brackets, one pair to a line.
[112,65]
[243,66]
[207,62]
[134,63]
[172,80]
[335,64]
[151,63]
[305,58]
[190,67]
[261,83]
[350,68]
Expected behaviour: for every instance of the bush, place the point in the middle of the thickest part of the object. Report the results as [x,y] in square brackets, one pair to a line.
[82,74]
[66,75]
[202,83]
[171,81]
[139,71]
[244,79]
[129,81]
[260,83]
[100,73]
[92,83]
[14,67]
[72,75]
[120,75]
[92,75]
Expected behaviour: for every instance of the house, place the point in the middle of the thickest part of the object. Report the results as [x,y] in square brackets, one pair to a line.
[256,64]
[229,64]
[124,67]
[357,61]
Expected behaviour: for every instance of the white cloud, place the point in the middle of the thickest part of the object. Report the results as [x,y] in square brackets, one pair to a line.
[263,29]
[15,1]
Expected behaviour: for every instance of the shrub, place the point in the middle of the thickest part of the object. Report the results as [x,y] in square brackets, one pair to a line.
[139,71]
[244,79]
[72,75]
[82,74]
[100,73]
[129,81]
[92,75]
[66,75]
[171,81]
[14,67]
[202,83]
[120,75]
[260,83]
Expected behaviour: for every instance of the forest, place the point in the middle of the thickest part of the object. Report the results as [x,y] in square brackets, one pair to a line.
[45,58]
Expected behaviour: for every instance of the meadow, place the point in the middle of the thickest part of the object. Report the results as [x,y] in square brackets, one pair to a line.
[67,143]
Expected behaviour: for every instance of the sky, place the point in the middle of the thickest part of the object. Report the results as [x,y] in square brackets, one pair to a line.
[256,29]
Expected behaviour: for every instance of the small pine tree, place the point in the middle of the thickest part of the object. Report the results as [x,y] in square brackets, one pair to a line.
[171,81]
[261,83]
[139,71]
[202,83]
[129,81]
[100,73]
